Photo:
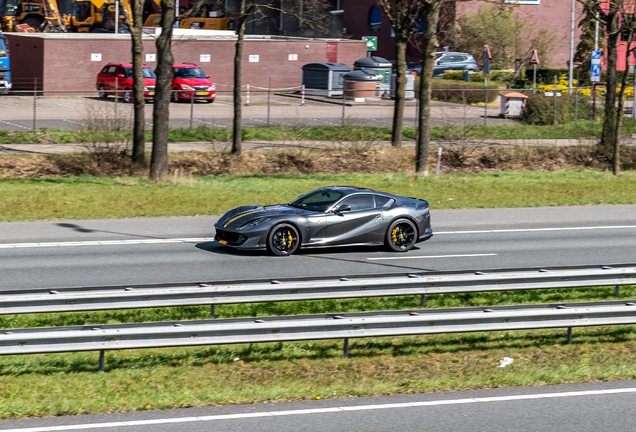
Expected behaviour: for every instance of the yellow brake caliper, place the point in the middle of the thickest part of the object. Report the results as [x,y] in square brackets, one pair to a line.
[290,239]
[394,234]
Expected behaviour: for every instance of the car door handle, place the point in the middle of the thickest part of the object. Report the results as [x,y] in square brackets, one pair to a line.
[378,216]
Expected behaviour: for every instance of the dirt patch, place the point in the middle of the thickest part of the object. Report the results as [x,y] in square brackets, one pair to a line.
[455,159]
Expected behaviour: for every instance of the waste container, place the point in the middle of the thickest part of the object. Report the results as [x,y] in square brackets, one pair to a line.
[512,103]
[324,79]
[379,65]
[363,85]
[410,84]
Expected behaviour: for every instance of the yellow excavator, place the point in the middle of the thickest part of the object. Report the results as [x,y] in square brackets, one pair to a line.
[43,16]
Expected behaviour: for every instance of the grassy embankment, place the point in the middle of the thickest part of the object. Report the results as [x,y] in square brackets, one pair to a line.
[104,197]
[66,384]
[581,129]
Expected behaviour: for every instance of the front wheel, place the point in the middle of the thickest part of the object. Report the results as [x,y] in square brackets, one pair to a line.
[102,92]
[209,100]
[175,96]
[401,235]
[283,240]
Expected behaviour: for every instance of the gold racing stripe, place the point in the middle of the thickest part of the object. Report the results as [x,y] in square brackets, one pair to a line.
[240,216]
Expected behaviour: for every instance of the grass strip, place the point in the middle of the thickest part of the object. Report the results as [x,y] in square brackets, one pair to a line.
[104,197]
[68,384]
[575,130]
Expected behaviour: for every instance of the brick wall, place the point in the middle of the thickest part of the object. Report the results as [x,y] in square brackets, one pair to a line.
[64,61]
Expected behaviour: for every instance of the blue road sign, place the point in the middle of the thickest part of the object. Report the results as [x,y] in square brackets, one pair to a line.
[596,55]
[595,75]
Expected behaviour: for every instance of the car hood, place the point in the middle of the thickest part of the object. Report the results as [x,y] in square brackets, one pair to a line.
[241,215]
[194,82]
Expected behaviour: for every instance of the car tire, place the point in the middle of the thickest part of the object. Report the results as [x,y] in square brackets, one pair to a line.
[175,96]
[283,240]
[209,100]
[102,92]
[127,96]
[35,23]
[401,235]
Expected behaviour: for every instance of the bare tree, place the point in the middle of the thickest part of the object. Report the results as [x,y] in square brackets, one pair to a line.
[431,10]
[404,16]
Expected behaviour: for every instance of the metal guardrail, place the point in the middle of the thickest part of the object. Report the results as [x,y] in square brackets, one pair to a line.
[309,327]
[129,297]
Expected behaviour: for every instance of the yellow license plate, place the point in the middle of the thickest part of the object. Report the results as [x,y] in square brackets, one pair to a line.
[223,242]
[203,93]
[151,93]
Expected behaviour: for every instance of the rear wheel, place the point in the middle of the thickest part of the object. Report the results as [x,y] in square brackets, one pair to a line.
[102,92]
[283,240]
[401,235]
[127,96]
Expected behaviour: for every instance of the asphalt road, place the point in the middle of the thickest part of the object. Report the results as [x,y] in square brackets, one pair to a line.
[593,407]
[73,113]
[136,251]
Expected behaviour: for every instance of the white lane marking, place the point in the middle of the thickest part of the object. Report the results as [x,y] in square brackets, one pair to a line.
[327,410]
[433,256]
[536,229]
[105,242]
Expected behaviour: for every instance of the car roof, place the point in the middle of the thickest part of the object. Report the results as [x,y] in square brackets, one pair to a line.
[125,65]
[184,65]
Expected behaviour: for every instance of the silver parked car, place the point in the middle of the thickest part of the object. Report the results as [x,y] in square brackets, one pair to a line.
[449,61]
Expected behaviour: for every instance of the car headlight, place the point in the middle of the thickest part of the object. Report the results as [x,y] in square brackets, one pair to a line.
[213,87]
[185,87]
[252,223]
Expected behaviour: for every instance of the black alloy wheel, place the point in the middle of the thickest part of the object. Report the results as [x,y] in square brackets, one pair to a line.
[102,92]
[175,96]
[283,240]
[401,235]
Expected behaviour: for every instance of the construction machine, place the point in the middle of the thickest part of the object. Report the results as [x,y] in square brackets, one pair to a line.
[42,15]
[204,18]
[96,16]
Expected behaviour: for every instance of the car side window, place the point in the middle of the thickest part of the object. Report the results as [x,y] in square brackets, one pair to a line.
[110,70]
[454,59]
[444,59]
[120,70]
[382,201]
[359,202]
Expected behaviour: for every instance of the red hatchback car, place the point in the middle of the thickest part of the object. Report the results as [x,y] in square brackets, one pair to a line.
[190,82]
[118,76]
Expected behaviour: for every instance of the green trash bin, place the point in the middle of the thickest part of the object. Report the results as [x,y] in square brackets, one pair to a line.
[379,65]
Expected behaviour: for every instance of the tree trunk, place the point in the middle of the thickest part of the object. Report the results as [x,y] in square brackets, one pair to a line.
[429,46]
[139,129]
[400,91]
[161,108]
[616,157]
[237,135]
[609,133]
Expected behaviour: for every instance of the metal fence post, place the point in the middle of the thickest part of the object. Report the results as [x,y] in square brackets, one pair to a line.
[486,102]
[576,104]
[617,291]
[345,348]
[344,92]
[102,361]
[269,92]
[439,159]
[555,100]
[423,300]
[302,95]
[212,311]
[247,100]
[569,335]
[191,108]
[35,97]
[116,102]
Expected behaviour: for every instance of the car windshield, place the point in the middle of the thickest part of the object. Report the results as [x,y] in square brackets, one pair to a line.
[3,48]
[148,73]
[188,73]
[319,200]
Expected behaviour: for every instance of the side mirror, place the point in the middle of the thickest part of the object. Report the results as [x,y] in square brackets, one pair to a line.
[343,208]
[120,76]
[207,76]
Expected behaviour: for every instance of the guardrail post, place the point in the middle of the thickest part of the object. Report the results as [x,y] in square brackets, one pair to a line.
[617,291]
[569,335]
[211,311]
[344,99]
[102,361]
[423,300]
[269,93]
[345,348]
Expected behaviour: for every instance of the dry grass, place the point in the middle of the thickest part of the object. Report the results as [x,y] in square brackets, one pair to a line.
[342,160]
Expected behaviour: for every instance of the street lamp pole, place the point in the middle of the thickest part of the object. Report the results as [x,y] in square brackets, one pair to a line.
[571,71]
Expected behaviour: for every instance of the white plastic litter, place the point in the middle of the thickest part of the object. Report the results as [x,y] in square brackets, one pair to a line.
[505,362]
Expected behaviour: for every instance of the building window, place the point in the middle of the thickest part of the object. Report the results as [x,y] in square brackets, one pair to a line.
[375,19]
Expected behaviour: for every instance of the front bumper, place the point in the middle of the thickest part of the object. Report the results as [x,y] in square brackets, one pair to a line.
[250,240]
[5,86]
[197,95]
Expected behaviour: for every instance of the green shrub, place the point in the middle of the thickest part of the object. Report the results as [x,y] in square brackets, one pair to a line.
[462,92]
[495,75]
[540,109]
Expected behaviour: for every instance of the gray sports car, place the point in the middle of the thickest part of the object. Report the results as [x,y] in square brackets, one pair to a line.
[329,216]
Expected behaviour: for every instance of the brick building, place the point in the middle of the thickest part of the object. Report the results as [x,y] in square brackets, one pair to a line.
[70,62]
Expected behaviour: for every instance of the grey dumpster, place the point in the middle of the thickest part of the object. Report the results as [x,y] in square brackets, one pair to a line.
[363,85]
[324,79]
[379,65]
[410,84]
